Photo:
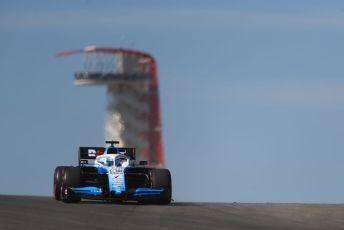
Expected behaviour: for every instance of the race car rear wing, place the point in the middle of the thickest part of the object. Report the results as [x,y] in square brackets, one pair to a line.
[87,155]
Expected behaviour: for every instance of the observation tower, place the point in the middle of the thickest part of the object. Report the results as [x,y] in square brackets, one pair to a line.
[133,110]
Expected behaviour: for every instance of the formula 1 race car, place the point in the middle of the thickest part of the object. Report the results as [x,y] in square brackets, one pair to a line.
[112,174]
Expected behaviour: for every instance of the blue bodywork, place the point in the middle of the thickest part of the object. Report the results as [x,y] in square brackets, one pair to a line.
[95,191]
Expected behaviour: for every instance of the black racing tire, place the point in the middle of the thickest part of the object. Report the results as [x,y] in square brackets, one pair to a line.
[161,179]
[71,178]
[57,182]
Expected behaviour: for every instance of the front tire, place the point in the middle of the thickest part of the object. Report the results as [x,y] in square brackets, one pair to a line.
[71,178]
[58,182]
[161,179]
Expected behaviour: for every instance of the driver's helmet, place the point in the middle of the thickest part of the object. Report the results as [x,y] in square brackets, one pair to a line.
[109,162]
[106,161]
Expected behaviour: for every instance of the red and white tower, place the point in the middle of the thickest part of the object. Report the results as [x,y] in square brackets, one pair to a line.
[133,110]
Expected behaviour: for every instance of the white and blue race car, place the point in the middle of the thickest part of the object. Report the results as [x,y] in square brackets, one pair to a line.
[112,174]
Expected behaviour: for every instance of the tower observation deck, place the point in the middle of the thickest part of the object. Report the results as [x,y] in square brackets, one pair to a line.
[133,110]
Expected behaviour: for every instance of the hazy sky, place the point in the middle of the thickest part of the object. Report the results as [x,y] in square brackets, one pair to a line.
[252,93]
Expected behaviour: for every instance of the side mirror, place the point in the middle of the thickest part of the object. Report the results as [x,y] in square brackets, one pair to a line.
[143,163]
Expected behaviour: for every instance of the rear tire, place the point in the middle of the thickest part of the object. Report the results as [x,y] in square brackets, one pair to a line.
[161,179]
[71,178]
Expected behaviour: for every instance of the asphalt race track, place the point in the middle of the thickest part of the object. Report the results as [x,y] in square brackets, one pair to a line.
[29,212]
